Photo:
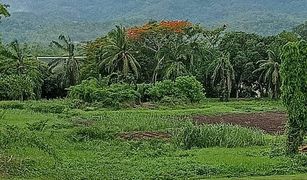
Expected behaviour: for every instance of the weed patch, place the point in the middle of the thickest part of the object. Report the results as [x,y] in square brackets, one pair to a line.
[218,136]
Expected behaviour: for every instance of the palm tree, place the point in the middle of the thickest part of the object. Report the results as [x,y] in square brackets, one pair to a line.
[16,53]
[270,73]
[70,65]
[224,72]
[3,10]
[17,61]
[175,61]
[117,55]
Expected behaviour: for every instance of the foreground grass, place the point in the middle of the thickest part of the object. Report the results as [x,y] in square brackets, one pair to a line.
[79,144]
[291,177]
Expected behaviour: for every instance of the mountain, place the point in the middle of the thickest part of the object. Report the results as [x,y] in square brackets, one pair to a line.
[44,20]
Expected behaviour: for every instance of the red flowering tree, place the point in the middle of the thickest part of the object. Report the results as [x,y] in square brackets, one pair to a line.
[159,27]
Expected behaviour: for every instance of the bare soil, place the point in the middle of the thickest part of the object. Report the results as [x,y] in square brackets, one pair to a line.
[269,122]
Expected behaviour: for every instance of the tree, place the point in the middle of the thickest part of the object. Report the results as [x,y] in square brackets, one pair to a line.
[302,30]
[270,73]
[245,51]
[18,62]
[174,60]
[117,55]
[16,55]
[70,66]
[3,10]
[224,73]
[294,92]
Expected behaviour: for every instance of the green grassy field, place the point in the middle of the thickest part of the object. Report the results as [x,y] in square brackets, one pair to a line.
[51,140]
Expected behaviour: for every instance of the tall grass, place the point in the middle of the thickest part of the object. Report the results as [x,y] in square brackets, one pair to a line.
[218,136]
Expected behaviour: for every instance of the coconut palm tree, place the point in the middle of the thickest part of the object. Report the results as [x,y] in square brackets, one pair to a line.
[270,73]
[173,60]
[15,55]
[18,61]
[3,11]
[223,73]
[117,55]
[70,65]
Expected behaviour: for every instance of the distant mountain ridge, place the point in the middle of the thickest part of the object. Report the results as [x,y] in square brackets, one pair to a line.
[43,20]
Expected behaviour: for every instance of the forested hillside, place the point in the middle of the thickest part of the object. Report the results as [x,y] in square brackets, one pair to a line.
[44,20]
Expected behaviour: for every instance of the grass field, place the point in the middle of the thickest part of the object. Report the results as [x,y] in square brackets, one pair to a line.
[51,140]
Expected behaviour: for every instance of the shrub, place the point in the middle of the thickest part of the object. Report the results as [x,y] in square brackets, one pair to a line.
[218,136]
[171,100]
[142,89]
[189,87]
[162,89]
[93,91]
[185,88]
[14,87]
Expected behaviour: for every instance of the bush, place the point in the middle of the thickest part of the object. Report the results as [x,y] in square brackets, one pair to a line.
[142,89]
[185,88]
[218,136]
[171,100]
[162,89]
[92,91]
[14,87]
[189,87]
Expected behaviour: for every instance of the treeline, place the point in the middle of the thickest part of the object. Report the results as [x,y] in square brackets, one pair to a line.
[149,61]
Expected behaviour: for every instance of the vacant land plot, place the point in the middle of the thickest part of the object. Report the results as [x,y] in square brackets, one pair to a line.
[51,140]
[270,122]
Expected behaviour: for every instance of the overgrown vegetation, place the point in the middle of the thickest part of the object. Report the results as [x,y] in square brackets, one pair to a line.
[138,104]
[295,92]
[219,136]
[42,144]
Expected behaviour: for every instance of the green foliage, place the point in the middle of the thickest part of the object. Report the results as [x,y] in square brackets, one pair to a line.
[190,88]
[18,66]
[162,89]
[117,55]
[90,133]
[47,108]
[270,72]
[14,87]
[142,89]
[38,126]
[223,73]
[11,136]
[294,88]
[3,11]
[88,145]
[184,88]
[68,69]
[56,107]
[219,136]
[302,30]
[108,96]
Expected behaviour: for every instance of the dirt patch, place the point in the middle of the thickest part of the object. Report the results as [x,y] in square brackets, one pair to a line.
[270,122]
[144,135]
